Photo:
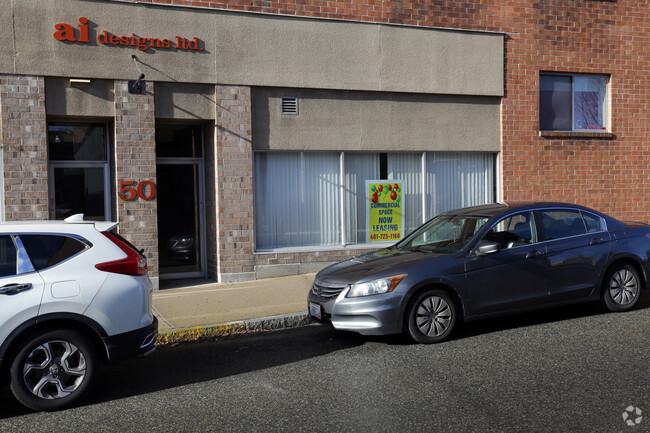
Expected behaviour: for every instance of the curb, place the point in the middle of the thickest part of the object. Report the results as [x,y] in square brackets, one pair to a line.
[197,333]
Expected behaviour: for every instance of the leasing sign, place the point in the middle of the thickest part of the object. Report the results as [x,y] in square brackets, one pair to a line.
[385,216]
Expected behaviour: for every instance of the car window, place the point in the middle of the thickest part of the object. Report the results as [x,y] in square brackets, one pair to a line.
[8,256]
[48,250]
[593,223]
[513,231]
[559,224]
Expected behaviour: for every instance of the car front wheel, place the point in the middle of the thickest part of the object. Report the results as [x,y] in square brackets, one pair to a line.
[431,317]
[621,288]
[53,370]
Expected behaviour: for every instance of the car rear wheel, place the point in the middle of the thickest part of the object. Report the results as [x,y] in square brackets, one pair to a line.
[431,317]
[621,288]
[53,370]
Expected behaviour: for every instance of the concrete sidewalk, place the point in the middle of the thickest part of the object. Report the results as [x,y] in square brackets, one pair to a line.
[195,309]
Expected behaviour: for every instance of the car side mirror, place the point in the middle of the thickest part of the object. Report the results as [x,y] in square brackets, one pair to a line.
[488,248]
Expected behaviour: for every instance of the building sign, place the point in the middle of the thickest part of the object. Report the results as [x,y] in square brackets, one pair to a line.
[68,33]
[130,189]
[385,200]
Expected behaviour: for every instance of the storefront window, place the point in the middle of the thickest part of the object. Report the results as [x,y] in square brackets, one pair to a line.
[458,179]
[299,199]
[78,169]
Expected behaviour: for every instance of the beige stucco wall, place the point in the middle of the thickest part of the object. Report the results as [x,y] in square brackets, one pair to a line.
[94,99]
[342,120]
[250,49]
[185,101]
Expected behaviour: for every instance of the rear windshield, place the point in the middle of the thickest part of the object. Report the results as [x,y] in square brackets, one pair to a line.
[127,243]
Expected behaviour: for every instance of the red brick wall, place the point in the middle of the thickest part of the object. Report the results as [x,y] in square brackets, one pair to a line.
[135,153]
[605,37]
[23,138]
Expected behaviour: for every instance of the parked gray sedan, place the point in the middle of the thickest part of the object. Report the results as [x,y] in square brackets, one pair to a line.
[484,261]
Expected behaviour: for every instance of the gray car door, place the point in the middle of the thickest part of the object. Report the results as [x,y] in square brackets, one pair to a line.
[515,276]
[578,248]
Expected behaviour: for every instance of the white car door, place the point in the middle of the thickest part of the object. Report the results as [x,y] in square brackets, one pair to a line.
[21,287]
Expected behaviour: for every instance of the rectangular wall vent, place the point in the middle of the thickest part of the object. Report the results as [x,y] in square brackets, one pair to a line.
[289,105]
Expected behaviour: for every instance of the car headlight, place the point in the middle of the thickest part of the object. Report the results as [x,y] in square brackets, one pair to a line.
[375,287]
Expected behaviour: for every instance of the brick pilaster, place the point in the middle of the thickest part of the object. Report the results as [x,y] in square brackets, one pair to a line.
[23,139]
[234,180]
[135,156]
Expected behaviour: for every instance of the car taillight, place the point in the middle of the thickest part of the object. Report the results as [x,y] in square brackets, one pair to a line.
[132,264]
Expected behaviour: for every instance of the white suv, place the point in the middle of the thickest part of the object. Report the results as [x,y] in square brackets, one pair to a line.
[72,293]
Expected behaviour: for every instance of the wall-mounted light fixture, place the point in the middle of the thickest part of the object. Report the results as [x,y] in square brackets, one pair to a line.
[79,82]
[136,86]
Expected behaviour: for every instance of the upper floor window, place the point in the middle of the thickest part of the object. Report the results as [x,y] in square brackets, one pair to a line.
[573,102]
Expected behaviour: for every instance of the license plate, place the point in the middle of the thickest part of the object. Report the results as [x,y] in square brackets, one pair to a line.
[314,310]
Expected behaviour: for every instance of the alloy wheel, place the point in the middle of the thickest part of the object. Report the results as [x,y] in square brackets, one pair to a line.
[623,287]
[433,316]
[54,369]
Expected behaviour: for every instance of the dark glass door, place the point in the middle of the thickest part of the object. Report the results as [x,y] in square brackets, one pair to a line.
[179,218]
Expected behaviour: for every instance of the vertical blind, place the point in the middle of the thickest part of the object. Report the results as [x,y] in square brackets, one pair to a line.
[359,167]
[298,194]
[456,180]
[296,199]
[408,167]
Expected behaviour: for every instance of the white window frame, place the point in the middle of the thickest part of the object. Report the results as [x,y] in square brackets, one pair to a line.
[606,102]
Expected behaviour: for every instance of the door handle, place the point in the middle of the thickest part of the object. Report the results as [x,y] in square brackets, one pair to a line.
[12,289]
[532,254]
[596,241]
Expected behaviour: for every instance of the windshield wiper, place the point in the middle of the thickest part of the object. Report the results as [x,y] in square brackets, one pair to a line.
[419,250]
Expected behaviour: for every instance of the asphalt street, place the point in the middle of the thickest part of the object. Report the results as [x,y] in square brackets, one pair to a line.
[572,369]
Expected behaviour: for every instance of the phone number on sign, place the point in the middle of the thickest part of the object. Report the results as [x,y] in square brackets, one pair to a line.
[385,236]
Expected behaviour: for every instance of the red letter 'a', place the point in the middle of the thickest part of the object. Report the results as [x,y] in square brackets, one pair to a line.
[65,32]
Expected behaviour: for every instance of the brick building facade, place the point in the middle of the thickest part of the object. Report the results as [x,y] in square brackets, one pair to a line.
[606,171]
[383,84]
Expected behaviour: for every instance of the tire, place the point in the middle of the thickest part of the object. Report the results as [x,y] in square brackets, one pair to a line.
[431,317]
[53,370]
[621,288]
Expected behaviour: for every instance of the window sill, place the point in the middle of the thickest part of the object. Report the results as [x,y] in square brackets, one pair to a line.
[352,247]
[577,134]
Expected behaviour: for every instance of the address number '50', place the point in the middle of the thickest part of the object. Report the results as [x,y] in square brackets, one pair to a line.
[130,189]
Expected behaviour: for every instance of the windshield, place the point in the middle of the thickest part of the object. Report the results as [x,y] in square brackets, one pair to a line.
[444,234]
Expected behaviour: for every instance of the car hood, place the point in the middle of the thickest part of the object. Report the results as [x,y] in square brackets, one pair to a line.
[376,264]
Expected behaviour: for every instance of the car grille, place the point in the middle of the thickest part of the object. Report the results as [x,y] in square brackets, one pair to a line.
[326,290]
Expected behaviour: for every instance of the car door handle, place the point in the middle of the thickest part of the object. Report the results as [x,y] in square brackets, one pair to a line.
[12,289]
[596,241]
[532,254]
